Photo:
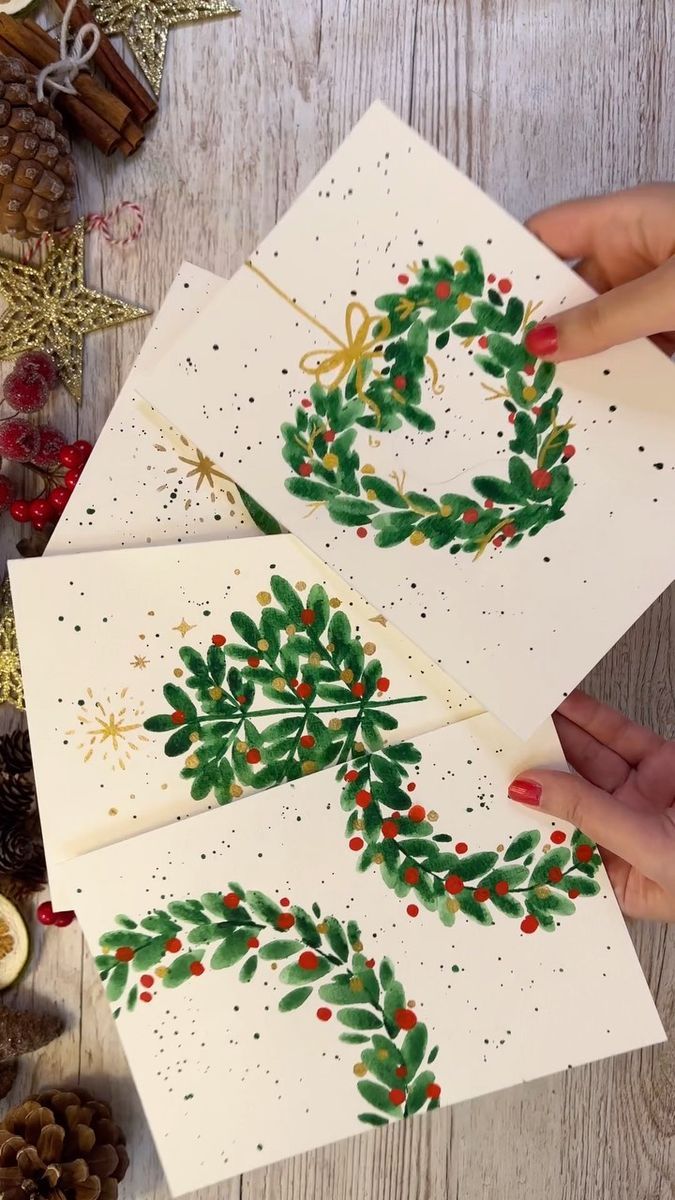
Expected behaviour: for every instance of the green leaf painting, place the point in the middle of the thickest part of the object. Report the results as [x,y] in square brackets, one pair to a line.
[325,971]
[384,390]
[295,690]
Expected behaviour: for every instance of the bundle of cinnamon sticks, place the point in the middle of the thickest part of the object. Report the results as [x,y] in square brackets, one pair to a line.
[112,118]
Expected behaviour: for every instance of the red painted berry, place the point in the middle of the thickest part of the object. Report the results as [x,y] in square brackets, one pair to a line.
[389,830]
[509,530]
[363,798]
[304,691]
[370,963]
[59,497]
[305,469]
[504,286]
[558,837]
[417,813]
[403,279]
[253,943]
[72,478]
[433,1091]
[218,639]
[147,981]
[197,968]
[411,875]
[529,370]
[555,875]
[6,492]
[401,1072]
[284,902]
[358,690]
[45,913]
[501,887]
[324,1014]
[19,439]
[50,443]
[483,342]
[308,616]
[569,452]
[461,848]
[541,478]
[583,853]
[481,895]
[412,910]
[231,900]
[498,541]
[253,756]
[400,383]
[512,418]
[529,924]
[470,515]
[178,717]
[173,945]
[536,409]
[306,402]
[145,997]
[362,532]
[397,1097]
[351,776]
[307,741]
[37,364]
[124,954]
[489,503]
[454,885]
[308,960]
[411,787]
[405,1018]
[383,684]
[285,921]
[253,661]
[24,395]
[63,919]
[443,289]
[573,893]
[356,843]
[491,278]
[20,511]
[329,436]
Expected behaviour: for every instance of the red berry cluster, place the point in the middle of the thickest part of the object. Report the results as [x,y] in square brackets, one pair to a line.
[47,916]
[58,485]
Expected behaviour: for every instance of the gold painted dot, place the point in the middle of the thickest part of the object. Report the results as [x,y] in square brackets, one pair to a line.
[237,571]
[383,1055]
[347,676]
[500,847]
[432,816]
[263,645]
[263,597]
[195,737]
[314,659]
[300,586]
[360,1069]
[151,613]
[308,767]
[368,469]
[369,648]
[164,786]
[331,461]
[161,972]
[215,693]
[278,684]
[411,1004]
[273,966]
[335,602]
[358,824]
[178,672]
[322,928]
[335,724]
[371,495]
[192,761]
[105,949]
[291,630]
[460,265]
[446,510]
[236,791]
[529,393]
[359,748]
[417,538]
[452,905]
[331,647]
[541,892]
[356,985]
[378,858]
[463,302]
[142,636]
[545,849]
[241,747]
[112,812]
[357,947]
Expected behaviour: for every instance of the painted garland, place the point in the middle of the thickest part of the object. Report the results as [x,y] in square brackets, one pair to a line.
[325,960]
[373,380]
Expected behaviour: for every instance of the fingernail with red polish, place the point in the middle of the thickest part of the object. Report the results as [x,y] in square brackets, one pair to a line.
[525,791]
[542,341]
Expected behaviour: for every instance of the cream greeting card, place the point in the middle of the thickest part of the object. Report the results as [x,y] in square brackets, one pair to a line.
[365,377]
[162,681]
[355,950]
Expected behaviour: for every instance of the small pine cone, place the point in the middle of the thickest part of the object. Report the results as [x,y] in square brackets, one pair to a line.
[37,173]
[16,848]
[17,796]
[15,756]
[61,1146]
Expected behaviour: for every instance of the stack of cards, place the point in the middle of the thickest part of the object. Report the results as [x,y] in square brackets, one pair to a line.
[375,930]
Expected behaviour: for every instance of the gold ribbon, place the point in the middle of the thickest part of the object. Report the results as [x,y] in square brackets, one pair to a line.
[331,367]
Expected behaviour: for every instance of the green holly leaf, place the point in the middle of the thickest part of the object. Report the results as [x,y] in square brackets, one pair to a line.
[231,950]
[336,939]
[417,1093]
[378,1096]
[414,1047]
[522,844]
[359,1018]
[117,981]
[278,949]
[249,969]
[294,999]
[555,860]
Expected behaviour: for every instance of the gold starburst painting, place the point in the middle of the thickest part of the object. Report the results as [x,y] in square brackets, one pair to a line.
[109,729]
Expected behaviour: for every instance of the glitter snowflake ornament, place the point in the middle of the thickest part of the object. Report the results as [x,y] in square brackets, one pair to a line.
[146,23]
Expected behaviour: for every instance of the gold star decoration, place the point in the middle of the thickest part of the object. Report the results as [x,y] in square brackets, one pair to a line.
[139,662]
[204,468]
[11,684]
[182,627]
[146,23]
[50,308]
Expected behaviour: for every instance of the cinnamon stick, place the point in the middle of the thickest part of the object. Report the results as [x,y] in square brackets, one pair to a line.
[113,68]
[43,50]
[132,138]
[103,136]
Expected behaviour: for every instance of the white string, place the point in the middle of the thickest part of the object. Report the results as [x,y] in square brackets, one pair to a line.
[69,65]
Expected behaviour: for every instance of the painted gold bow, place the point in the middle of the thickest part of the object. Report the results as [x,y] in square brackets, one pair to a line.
[332,367]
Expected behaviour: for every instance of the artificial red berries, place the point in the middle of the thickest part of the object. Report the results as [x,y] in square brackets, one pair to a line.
[47,916]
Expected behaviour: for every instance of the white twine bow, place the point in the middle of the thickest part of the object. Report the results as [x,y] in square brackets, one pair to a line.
[71,62]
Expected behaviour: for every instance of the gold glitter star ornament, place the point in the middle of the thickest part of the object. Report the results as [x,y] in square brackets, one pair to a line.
[146,23]
[11,684]
[50,308]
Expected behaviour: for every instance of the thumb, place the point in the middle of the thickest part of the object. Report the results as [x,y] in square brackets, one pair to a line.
[638,837]
[641,308]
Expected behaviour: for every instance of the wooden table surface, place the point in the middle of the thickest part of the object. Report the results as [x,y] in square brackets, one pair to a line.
[537,100]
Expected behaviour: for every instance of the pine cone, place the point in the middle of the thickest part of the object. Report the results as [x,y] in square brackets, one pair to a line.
[61,1146]
[37,173]
[17,795]
[15,755]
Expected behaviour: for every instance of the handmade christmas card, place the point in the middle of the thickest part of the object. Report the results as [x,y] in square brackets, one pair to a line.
[162,681]
[145,483]
[367,945]
[366,378]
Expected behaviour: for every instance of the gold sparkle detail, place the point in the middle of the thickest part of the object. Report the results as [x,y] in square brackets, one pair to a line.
[379,620]
[108,729]
[49,308]
[182,627]
[145,25]
[203,469]
[139,662]
[11,684]
[360,1069]
[263,597]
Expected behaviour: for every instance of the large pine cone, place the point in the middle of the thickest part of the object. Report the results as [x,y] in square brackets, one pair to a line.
[61,1146]
[37,173]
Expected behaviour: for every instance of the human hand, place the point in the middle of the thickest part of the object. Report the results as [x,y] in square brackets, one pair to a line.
[625,247]
[623,797]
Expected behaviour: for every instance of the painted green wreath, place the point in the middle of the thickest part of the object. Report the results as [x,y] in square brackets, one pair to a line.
[373,380]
